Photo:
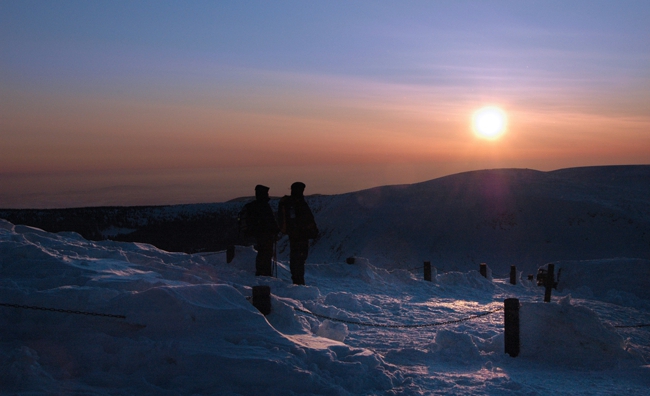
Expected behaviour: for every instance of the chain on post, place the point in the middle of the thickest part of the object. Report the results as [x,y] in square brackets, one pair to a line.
[454,321]
[399,326]
[431,324]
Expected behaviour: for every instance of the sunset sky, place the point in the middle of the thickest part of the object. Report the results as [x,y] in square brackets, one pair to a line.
[165,102]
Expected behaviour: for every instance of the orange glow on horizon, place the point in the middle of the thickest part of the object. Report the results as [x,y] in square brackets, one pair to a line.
[338,144]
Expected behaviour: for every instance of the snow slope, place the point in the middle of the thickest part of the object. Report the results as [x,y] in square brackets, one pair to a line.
[502,217]
[190,329]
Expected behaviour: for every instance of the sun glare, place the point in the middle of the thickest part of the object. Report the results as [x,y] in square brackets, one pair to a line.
[489,122]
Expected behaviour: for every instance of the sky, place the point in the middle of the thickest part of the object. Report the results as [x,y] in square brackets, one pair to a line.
[166,102]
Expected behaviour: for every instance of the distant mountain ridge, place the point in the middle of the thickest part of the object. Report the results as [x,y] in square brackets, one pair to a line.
[501,217]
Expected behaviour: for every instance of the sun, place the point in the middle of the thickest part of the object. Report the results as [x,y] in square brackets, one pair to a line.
[489,122]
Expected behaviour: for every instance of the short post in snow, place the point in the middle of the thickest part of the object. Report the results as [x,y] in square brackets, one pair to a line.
[513,275]
[511,325]
[427,271]
[350,260]
[549,282]
[483,270]
[262,299]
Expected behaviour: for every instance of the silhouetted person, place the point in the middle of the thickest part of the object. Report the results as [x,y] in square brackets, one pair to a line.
[297,221]
[260,223]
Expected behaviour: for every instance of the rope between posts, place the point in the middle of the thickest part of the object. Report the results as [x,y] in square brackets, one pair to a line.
[305,312]
[630,326]
[399,326]
[62,310]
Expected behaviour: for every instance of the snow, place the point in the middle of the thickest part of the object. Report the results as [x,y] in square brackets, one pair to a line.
[112,232]
[190,327]
[501,217]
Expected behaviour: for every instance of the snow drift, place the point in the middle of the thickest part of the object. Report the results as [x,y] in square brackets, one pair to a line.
[190,328]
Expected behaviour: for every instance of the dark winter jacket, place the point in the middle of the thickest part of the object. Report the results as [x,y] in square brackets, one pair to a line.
[262,219]
[295,218]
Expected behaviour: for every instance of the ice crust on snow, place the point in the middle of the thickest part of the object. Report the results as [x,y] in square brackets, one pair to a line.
[191,329]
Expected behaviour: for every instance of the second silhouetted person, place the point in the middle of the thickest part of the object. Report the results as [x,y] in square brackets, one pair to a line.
[296,220]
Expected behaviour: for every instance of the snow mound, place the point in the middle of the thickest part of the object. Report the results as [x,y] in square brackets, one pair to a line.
[620,280]
[187,329]
[568,335]
[456,347]
[332,330]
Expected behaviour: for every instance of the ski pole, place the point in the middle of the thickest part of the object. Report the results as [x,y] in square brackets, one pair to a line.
[275,259]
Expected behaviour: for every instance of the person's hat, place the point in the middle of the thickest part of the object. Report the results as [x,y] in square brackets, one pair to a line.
[261,188]
[298,186]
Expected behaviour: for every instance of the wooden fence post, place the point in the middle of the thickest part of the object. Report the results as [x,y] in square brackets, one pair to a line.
[262,299]
[427,271]
[513,275]
[511,325]
[549,282]
[483,270]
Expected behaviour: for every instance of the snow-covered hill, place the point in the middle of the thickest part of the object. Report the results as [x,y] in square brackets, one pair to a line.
[501,217]
[118,318]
